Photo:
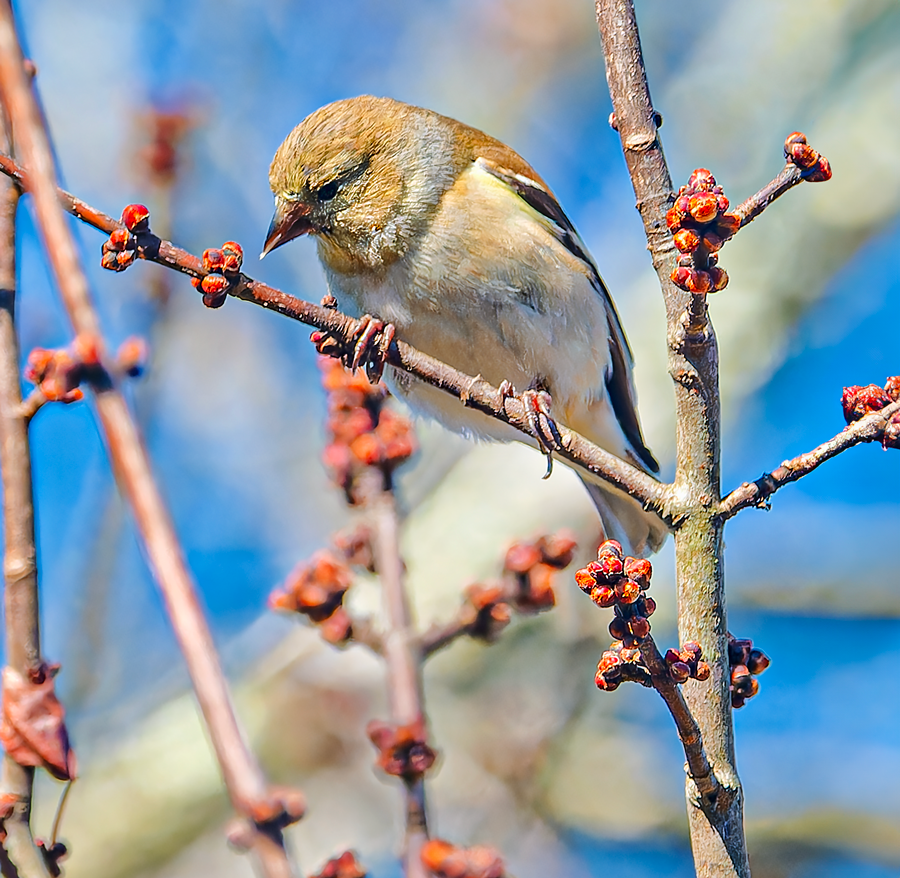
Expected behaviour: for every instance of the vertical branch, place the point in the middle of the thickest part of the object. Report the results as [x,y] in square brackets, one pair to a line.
[402,652]
[716,824]
[23,636]
[243,777]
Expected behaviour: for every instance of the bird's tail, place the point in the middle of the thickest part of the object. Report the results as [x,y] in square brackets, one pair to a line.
[625,519]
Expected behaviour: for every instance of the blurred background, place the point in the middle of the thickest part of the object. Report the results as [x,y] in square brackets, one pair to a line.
[181,106]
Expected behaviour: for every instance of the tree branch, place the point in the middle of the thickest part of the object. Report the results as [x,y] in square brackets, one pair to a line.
[716,823]
[243,777]
[699,770]
[400,650]
[20,570]
[473,392]
[868,429]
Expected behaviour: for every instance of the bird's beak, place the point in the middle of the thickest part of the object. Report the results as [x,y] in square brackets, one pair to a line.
[290,221]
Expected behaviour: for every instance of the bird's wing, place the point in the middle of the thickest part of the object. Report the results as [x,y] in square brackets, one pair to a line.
[619,383]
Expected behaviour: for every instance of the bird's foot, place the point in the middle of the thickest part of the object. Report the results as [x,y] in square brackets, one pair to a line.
[536,402]
[370,343]
[373,338]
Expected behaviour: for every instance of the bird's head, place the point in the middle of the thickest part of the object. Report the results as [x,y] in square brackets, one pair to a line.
[363,175]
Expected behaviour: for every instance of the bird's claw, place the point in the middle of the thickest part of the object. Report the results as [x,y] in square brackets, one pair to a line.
[370,344]
[373,339]
[536,403]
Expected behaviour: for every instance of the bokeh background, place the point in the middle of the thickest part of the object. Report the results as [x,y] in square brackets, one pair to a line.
[563,779]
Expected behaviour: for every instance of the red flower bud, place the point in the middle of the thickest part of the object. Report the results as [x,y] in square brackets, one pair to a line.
[703,671]
[606,685]
[214,284]
[718,278]
[892,387]
[681,277]
[118,239]
[699,282]
[679,671]
[136,218]
[858,401]
[234,256]
[603,595]
[693,649]
[640,570]
[610,547]
[109,261]
[727,225]
[607,566]
[678,213]
[618,628]
[703,207]
[585,579]
[757,661]
[687,240]
[639,626]
[627,591]
[213,260]
[701,180]
[821,172]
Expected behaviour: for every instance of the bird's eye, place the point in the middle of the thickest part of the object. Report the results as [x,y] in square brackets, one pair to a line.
[328,191]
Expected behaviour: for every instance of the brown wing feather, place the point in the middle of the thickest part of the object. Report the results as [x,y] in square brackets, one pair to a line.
[619,385]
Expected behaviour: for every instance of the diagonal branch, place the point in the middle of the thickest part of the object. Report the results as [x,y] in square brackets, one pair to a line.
[243,777]
[867,429]
[699,769]
[473,392]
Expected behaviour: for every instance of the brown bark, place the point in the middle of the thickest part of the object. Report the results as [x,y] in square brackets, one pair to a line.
[716,822]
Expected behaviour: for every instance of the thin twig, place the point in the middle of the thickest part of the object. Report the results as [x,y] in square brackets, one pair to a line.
[401,651]
[699,770]
[473,392]
[867,429]
[243,777]
[441,635]
[716,825]
[20,571]
[789,176]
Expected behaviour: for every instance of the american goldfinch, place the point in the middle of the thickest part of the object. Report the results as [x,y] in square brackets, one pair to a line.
[448,234]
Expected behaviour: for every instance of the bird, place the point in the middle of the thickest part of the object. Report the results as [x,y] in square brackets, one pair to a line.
[448,235]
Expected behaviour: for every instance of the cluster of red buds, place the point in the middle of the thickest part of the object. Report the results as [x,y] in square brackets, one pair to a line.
[534,566]
[486,611]
[618,664]
[58,373]
[316,589]
[617,581]
[363,431]
[686,663]
[815,167]
[445,860]
[700,225]
[344,866]
[858,402]
[119,250]
[223,270]
[403,751]
[746,664]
